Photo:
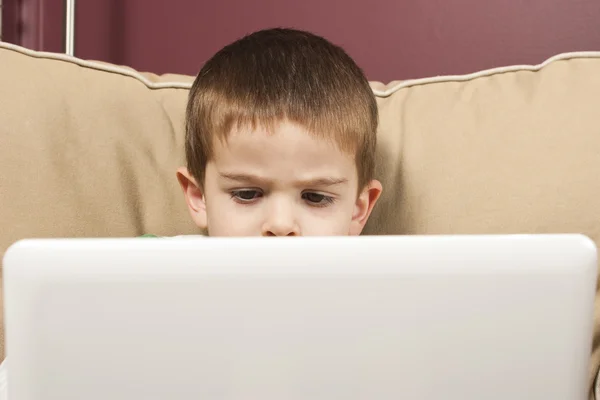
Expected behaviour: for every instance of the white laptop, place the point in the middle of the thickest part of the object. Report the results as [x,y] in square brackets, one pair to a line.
[369,318]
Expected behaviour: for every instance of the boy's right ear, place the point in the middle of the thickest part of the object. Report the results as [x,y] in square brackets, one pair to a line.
[194,197]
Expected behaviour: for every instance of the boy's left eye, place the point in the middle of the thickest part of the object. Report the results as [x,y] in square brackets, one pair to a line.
[317,199]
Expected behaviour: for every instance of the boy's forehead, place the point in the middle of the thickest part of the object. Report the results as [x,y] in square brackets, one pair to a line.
[286,146]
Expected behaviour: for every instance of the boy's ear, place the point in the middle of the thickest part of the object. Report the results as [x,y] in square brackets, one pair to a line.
[364,205]
[194,197]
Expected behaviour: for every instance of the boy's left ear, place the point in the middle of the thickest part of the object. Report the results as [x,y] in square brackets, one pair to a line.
[364,205]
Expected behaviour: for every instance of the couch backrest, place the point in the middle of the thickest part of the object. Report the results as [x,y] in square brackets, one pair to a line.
[90,149]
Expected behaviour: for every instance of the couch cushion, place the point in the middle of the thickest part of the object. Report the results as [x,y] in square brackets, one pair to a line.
[87,152]
[90,149]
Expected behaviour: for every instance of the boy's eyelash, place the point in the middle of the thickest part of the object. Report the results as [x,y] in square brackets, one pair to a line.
[326,200]
[236,195]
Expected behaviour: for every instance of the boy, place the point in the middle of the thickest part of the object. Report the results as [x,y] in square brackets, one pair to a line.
[280,139]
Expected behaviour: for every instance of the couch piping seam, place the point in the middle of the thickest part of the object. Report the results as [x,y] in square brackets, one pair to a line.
[379,93]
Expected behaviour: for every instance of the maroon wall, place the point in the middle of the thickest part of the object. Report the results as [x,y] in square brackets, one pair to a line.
[390,39]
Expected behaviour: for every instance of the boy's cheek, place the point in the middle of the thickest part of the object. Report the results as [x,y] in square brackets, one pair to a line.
[228,220]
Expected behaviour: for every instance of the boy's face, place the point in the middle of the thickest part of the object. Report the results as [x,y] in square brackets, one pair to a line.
[281,183]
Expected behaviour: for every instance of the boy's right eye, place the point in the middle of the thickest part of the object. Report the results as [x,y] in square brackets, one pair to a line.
[246,195]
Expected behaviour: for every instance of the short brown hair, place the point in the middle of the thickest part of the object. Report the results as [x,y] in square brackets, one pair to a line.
[282,74]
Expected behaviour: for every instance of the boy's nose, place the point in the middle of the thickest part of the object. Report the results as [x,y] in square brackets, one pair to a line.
[280,222]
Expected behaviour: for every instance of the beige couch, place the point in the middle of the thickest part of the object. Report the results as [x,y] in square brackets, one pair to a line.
[90,149]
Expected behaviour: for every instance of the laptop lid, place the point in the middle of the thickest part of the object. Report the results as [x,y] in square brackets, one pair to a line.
[386,317]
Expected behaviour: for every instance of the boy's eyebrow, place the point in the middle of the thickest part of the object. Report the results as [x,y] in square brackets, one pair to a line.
[242,177]
[319,182]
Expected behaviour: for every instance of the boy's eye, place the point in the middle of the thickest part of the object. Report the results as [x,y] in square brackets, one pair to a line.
[246,195]
[317,199]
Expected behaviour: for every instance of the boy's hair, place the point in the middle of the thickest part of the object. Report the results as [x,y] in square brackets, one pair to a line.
[282,74]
